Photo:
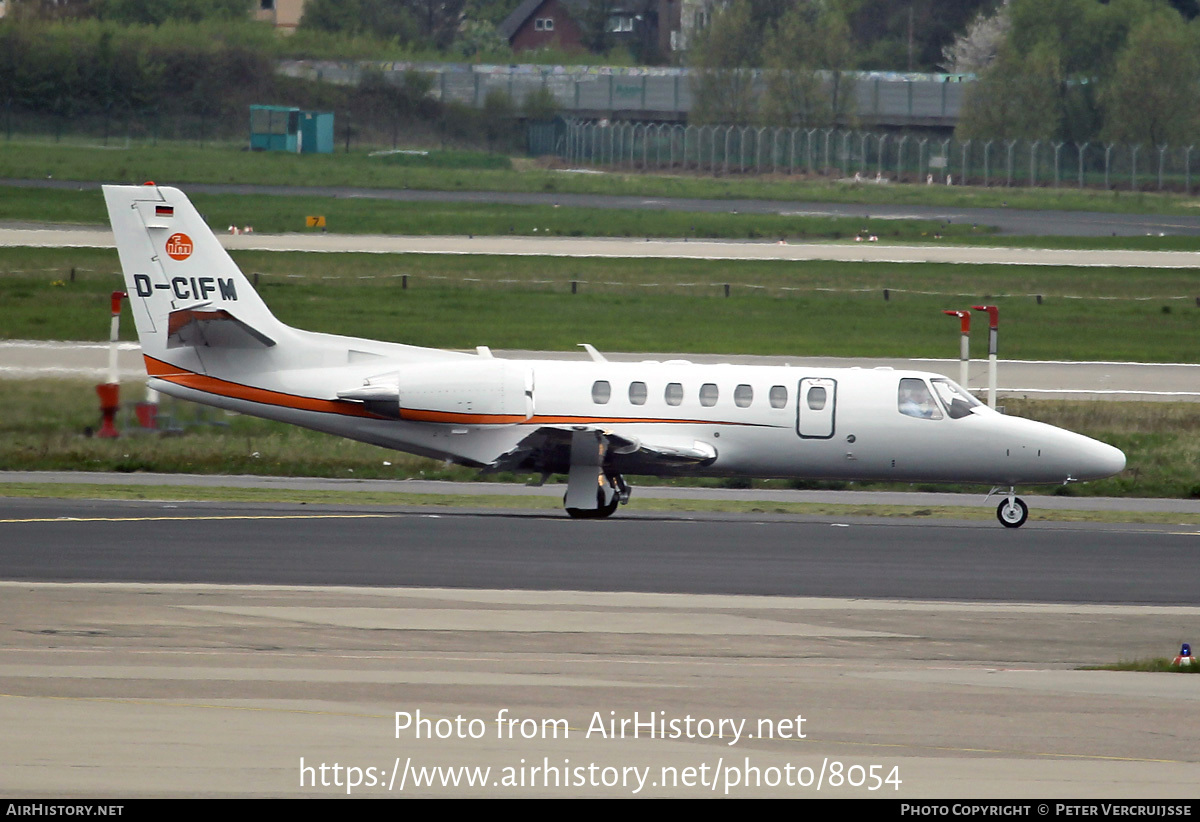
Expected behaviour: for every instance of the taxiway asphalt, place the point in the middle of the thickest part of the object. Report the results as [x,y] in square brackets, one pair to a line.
[148,676]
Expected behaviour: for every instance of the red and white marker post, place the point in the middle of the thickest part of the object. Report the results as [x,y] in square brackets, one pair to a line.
[109,392]
[964,348]
[993,344]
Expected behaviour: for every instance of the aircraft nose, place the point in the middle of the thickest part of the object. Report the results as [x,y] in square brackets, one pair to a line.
[1101,460]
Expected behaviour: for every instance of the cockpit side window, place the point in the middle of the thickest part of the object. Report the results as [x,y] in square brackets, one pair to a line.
[915,400]
[957,400]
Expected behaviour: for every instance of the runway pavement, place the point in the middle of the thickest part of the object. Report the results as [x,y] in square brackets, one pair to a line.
[154,688]
[693,553]
[633,248]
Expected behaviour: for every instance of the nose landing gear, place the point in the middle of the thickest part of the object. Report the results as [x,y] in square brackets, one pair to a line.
[1012,511]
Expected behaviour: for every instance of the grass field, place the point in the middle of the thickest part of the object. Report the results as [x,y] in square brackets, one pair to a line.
[282,214]
[810,308]
[278,214]
[180,163]
[43,424]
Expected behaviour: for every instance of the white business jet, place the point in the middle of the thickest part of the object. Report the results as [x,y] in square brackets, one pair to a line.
[209,338]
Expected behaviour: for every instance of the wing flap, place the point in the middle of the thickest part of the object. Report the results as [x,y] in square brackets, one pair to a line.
[548,449]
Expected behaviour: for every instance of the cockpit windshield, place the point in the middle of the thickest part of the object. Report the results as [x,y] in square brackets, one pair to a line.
[957,400]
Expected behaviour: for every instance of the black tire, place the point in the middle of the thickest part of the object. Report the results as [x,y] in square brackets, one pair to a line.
[1013,516]
[593,513]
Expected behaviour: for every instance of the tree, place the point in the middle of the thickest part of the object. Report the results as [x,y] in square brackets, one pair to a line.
[593,25]
[479,40]
[1017,97]
[540,105]
[49,9]
[1052,68]
[1153,96]
[722,60]
[156,12]
[907,35]
[979,46]
[386,19]
[806,55]
[437,20]
[499,116]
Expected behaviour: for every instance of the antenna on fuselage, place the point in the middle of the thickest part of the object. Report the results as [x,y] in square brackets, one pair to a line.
[592,352]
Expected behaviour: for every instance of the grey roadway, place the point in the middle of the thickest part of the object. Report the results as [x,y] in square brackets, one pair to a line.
[621,248]
[776,555]
[1007,221]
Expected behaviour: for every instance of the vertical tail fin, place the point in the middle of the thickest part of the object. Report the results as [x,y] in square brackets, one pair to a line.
[184,289]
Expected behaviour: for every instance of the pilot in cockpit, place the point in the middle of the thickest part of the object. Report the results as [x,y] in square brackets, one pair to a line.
[915,400]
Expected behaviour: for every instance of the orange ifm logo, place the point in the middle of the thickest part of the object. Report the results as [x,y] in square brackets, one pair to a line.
[179,246]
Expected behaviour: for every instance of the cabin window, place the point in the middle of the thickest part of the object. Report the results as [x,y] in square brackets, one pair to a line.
[708,394]
[674,394]
[915,400]
[543,24]
[743,395]
[816,398]
[778,396]
[956,399]
[637,393]
[601,392]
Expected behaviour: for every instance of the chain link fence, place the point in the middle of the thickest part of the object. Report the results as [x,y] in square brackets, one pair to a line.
[877,156]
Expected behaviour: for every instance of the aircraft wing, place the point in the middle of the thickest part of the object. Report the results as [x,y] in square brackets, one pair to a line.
[548,450]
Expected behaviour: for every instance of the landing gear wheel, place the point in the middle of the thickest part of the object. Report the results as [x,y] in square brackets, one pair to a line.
[1014,514]
[594,513]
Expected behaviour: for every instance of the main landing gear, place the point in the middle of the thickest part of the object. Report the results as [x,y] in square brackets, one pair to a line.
[1012,511]
[593,492]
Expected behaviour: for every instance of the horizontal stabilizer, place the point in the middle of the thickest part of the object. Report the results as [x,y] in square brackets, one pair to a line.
[204,325]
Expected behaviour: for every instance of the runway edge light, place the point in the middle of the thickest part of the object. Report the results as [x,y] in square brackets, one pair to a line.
[1185,655]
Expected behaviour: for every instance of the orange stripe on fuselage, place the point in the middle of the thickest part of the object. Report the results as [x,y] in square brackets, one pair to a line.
[225,388]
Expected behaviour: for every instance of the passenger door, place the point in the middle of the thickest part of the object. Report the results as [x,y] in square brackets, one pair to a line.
[816,405]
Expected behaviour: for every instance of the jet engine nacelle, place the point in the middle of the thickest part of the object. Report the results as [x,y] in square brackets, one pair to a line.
[488,392]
